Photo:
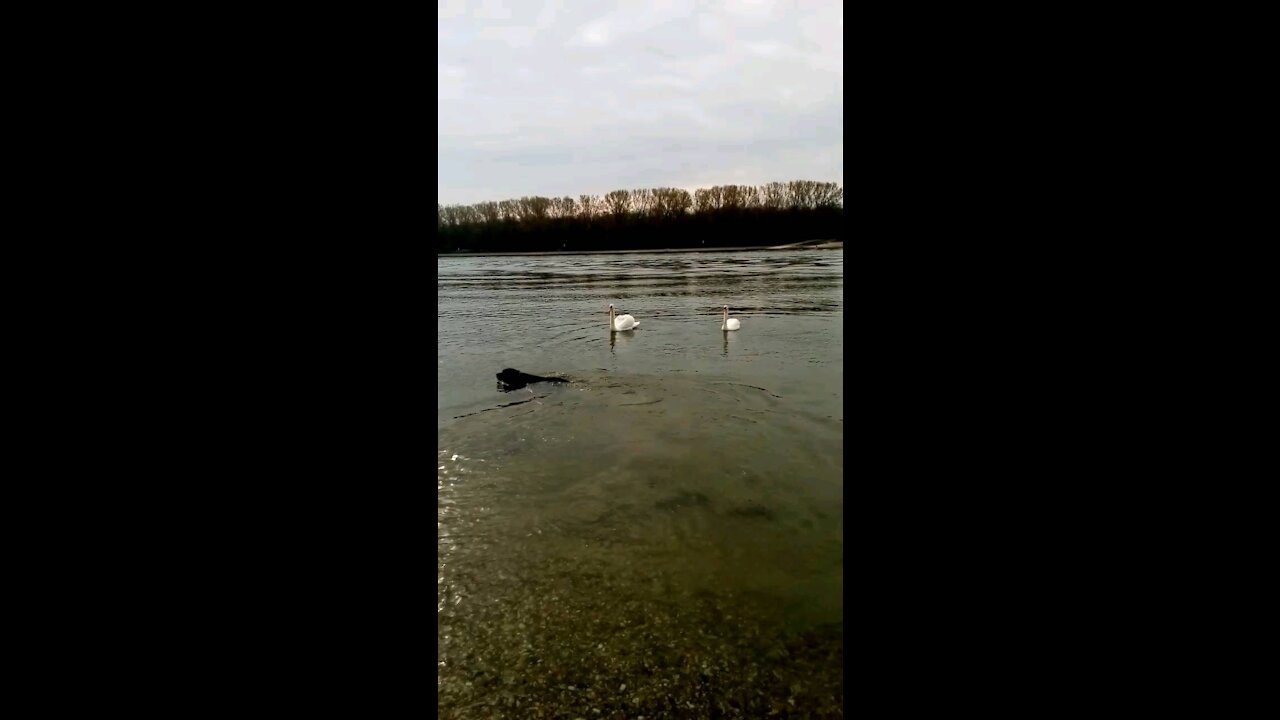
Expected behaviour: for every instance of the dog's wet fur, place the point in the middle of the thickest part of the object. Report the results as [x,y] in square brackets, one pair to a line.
[510,379]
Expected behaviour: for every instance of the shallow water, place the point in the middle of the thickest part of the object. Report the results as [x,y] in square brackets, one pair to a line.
[671,520]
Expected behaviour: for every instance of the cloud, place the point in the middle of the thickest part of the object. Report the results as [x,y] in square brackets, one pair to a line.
[595,34]
[751,9]
[564,98]
[492,10]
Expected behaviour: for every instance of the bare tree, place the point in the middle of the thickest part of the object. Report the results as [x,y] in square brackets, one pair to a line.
[534,209]
[731,197]
[681,202]
[704,200]
[671,202]
[489,212]
[569,207]
[618,202]
[509,210]
[656,214]
[829,195]
[644,202]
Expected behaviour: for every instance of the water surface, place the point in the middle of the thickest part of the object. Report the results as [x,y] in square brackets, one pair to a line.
[671,521]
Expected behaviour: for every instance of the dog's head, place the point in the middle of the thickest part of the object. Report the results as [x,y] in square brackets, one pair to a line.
[508,376]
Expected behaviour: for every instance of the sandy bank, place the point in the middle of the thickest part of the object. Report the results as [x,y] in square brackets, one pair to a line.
[807,245]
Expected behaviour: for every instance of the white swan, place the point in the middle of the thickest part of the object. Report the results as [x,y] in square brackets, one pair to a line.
[729,323]
[621,322]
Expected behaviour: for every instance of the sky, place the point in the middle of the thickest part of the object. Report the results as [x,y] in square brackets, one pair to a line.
[573,97]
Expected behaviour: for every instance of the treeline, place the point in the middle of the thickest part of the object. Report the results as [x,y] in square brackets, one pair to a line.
[721,216]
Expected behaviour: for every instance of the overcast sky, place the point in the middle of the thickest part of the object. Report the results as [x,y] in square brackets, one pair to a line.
[539,97]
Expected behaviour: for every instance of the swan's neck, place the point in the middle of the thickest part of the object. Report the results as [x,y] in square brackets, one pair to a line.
[610,318]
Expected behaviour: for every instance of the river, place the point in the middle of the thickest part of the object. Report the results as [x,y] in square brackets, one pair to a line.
[663,535]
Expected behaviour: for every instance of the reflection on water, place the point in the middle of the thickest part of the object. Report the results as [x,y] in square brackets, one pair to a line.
[616,337]
[663,534]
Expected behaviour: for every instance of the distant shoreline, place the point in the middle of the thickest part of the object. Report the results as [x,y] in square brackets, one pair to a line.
[806,245]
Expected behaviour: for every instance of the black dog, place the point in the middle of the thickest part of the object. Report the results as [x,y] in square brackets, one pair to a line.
[509,380]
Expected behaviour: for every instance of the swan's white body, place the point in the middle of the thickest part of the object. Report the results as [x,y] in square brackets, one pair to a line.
[729,323]
[621,322]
